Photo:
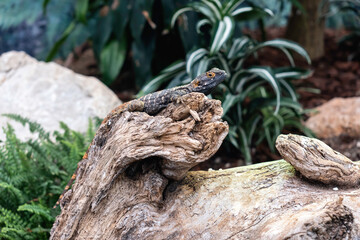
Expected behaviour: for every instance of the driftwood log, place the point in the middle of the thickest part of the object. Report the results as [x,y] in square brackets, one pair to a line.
[135,184]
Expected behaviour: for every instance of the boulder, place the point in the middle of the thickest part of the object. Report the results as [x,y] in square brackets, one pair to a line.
[339,116]
[49,93]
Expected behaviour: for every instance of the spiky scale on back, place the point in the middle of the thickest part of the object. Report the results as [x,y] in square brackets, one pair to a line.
[154,102]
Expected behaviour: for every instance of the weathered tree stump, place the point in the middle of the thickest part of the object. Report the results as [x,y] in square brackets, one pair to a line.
[121,183]
[131,186]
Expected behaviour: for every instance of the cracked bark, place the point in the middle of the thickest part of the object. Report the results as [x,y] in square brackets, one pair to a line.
[135,184]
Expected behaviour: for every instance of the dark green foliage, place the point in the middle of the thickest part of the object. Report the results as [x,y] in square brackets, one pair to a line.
[258,101]
[33,174]
[115,28]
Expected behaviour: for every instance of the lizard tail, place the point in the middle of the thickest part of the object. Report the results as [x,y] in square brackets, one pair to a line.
[66,189]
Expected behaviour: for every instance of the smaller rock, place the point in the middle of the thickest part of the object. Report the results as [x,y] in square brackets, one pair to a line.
[340,116]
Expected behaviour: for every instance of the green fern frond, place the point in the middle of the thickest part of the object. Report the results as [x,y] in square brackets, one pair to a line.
[6,188]
[38,210]
[33,173]
[34,127]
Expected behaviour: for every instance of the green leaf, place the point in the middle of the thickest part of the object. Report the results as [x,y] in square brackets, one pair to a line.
[81,8]
[230,100]
[289,89]
[223,32]
[266,74]
[37,209]
[45,4]
[12,189]
[200,7]
[164,75]
[291,73]
[281,43]
[137,19]
[202,23]
[238,47]
[245,146]
[62,39]
[111,60]
[101,31]
[121,17]
[194,57]
[230,6]
[288,55]
[202,66]
[214,8]
[251,13]
[178,13]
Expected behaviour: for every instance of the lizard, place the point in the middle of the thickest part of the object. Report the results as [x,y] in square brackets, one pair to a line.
[153,103]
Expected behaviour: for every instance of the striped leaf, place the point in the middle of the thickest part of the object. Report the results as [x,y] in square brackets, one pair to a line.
[230,100]
[202,8]
[178,13]
[250,13]
[222,34]
[292,73]
[289,89]
[202,23]
[194,57]
[266,74]
[224,64]
[213,7]
[281,43]
[288,55]
[231,6]
[245,146]
[164,75]
[202,66]
[238,47]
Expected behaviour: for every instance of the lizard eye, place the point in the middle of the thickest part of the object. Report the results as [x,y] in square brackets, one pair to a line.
[210,74]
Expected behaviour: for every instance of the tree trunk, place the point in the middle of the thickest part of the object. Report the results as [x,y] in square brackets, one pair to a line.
[307,29]
[131,185]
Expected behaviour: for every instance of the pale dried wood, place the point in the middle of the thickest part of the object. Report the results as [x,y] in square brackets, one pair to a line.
[131,161]
[111,200]
[317,161]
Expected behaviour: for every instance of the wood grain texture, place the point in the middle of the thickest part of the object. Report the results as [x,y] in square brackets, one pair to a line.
[130,163]
[131,186]
[317,161]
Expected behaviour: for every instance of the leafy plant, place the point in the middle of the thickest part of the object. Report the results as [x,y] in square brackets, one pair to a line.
[257,101]
[33,174]
[115,28]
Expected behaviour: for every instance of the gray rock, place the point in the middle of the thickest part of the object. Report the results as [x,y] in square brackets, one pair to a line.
[48,93]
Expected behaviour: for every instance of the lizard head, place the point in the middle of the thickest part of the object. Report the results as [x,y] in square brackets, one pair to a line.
[207,81]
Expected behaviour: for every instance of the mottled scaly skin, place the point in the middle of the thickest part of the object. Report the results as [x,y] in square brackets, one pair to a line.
[154,102]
